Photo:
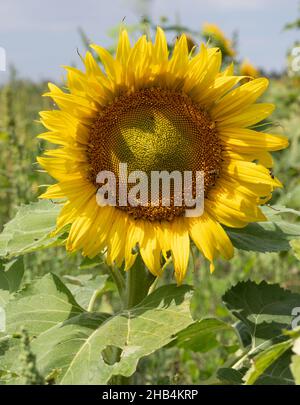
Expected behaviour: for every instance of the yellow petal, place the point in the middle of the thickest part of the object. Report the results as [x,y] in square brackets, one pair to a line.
[92,67]
[180,246]
[160,51]
[251,141]
[214,60]
[249,116]
[179,59]
[216,90]
[116,239]
[123,49]
[112,66]
[98,235]
[210,238]
[249,172]
[150,249]
[237,100]
[78,106]
[81,225]
[70,189]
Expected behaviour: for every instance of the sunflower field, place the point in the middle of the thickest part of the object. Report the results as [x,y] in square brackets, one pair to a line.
[95,294]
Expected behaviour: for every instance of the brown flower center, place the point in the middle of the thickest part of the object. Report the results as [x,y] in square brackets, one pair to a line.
[155,130]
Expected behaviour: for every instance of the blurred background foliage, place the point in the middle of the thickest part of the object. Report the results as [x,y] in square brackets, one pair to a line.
[21,181]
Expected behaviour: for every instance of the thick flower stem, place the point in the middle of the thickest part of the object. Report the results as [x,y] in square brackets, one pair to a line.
[138,282]
[136,288]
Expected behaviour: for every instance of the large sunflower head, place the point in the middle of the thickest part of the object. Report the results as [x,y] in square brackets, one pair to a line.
[157,112]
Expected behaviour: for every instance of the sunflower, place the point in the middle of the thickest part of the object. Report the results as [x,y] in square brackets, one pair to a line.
[155,112]
[247,69]
[216,35]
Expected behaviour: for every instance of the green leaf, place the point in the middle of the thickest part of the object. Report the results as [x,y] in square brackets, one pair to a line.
[76,342]
[243,333]
[264,236]
[264,360]
[278,373]
[30,229]
[201,336]
[11,275]
[37,307]
[265,309]
[78,349]
[270,236]
[272,366]
[41,305]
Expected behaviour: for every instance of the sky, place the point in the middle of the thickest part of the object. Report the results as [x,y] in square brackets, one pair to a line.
[41,36]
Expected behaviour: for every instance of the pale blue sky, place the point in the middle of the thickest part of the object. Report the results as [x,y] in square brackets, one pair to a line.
[40,36]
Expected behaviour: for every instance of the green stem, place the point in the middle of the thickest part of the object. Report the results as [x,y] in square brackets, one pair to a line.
[138,282]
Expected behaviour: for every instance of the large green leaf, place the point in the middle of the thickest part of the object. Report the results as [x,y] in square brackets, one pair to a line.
[37,307]
[76,342]
[40,305]
[29,230]
[266,313]
[265,309]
